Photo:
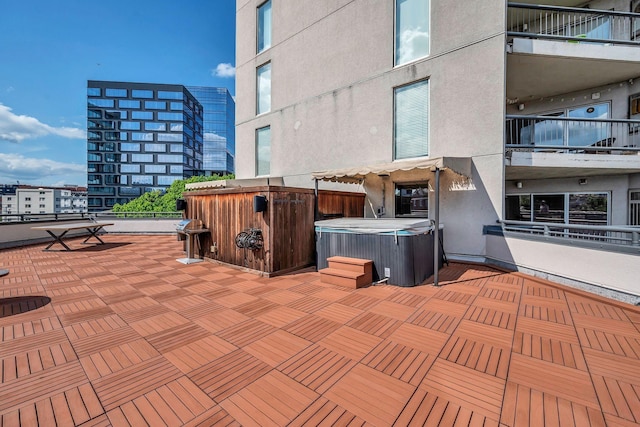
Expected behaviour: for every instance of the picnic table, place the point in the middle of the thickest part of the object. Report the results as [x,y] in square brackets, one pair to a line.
[59,231]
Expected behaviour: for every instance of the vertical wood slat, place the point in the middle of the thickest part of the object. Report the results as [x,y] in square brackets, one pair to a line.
[287,226]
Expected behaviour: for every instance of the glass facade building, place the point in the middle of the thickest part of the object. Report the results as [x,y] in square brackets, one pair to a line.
[219,116]
[140,137]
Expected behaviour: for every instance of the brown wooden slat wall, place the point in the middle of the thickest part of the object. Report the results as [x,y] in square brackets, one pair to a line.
[340,204]
[287,225]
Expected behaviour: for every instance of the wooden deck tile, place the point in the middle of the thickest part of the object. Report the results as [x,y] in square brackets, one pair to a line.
[316,367]
[324,413]
[312,328]
[228,374]
[130,383]
[350,342]
[273,399]
[401,362]
[277,347]
[188,357]
[127,336]
[370,395]
[563,382]
[474,390]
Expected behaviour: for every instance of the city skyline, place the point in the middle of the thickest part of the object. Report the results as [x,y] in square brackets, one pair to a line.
[49,51]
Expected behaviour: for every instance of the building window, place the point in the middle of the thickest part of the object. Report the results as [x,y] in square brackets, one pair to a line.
[412,200]
[412,30]
[264,26]
[155,105]
[116,93]
[263,102]
[144,115]
[263,151]
[128,103]
[141,93]
[93,91]
[411,120]
[559,208]
[634,207]
[169,95]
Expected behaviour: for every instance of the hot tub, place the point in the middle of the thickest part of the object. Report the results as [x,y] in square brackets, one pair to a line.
[400,248]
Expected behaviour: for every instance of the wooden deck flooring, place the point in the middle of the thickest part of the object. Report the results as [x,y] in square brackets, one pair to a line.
[123,335]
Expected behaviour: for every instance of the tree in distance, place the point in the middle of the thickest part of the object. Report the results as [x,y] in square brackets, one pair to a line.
[157,201]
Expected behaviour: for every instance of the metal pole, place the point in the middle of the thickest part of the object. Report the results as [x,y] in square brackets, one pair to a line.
[436,230]
[315,201]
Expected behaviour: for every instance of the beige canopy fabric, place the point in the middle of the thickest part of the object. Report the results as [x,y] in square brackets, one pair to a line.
[461,166]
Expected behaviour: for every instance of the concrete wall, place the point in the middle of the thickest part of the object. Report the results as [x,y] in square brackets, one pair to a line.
[332,97]
[19,234]
[595,270]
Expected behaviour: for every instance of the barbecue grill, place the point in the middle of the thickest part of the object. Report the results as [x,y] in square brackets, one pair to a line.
[190,230]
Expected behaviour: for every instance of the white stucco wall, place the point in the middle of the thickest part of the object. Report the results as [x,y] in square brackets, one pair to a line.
[332,98]
[602,269]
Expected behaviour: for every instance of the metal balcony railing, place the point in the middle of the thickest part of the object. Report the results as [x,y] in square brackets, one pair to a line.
[573,25]
[610,235]
[572,135]
[99,216]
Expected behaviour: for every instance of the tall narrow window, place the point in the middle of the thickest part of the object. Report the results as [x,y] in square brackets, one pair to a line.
[411,120]
[412,30]
[264,26]
[263,151]
[263,77]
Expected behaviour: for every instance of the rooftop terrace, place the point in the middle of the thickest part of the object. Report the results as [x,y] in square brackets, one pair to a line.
[122,334]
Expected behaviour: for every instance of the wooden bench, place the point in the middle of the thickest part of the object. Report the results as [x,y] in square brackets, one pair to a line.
[59,231]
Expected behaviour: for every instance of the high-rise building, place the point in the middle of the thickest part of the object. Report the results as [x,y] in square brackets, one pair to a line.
[537,106]
[140,137]
[219,132]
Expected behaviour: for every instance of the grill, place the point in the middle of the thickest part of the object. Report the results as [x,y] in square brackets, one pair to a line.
[187,225]
[190,230]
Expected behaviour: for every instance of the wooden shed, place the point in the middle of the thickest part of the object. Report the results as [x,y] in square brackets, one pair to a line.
[286,225]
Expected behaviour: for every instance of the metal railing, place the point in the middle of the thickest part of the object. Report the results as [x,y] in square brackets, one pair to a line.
[572,135]
[613,235]
[572,24]
[38,217]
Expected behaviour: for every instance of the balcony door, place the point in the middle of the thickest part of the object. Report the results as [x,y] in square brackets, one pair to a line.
[583,132]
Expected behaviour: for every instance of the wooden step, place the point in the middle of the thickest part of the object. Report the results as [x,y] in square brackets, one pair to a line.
[351,264]
[346,278]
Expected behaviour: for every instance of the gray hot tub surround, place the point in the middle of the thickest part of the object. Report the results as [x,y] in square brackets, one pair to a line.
[400,248]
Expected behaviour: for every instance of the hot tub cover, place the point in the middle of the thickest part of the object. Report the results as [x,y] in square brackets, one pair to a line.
[396,226]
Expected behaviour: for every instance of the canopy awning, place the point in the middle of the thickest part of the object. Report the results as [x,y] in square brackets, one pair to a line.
[460,166]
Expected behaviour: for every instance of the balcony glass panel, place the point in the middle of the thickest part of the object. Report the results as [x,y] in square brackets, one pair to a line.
[582,134]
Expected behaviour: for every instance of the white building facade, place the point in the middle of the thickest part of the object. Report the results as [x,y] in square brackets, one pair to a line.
[45,201]
[541,100]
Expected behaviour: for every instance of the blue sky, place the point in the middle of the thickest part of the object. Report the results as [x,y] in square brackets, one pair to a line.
[49,49]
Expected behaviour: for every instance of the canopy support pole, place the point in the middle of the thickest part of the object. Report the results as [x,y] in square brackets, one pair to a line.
[315,200]
[436,230]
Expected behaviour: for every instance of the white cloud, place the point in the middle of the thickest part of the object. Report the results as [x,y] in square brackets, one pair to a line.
[414,44]
[10,89]
[18,167]
[15,128]
[224,70]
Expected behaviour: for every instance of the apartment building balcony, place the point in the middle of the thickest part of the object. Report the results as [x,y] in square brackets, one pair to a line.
[554,49]
[551,146]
